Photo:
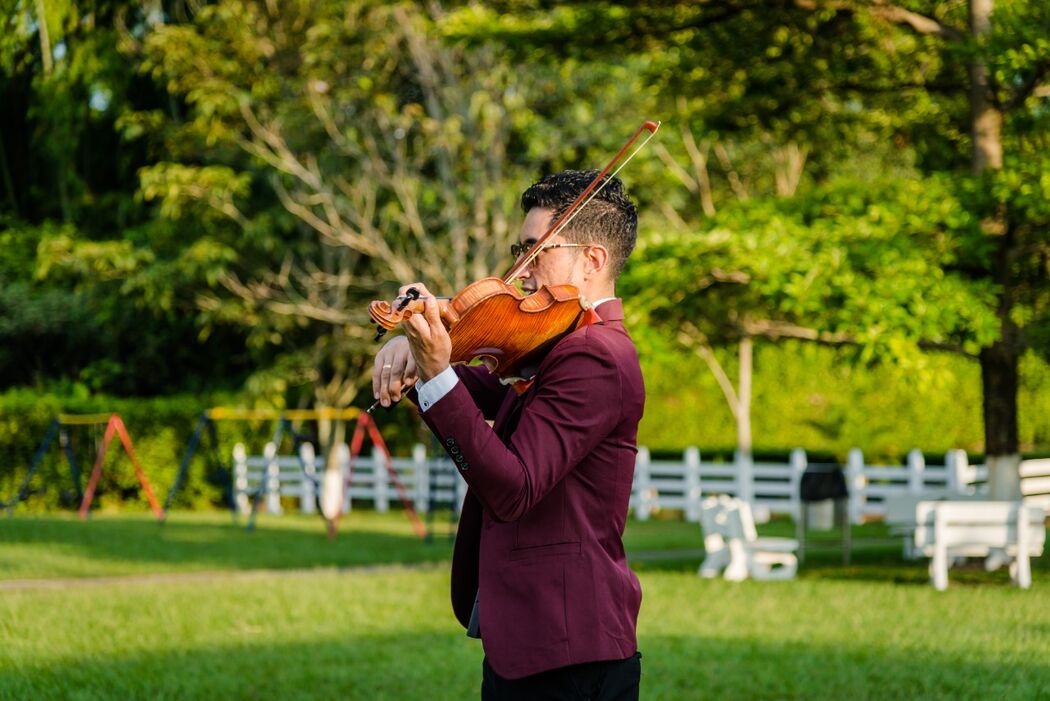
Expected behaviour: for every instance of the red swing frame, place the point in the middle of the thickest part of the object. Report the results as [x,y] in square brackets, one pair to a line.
[115,425]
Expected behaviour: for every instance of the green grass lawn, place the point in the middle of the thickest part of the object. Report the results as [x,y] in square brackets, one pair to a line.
[125,544]
[874,630]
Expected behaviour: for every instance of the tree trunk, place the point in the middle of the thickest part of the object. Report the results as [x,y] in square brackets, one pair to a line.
[45,38]
[745,462]
[738,398]
[331,433]
[743,418]
[999,379]
[999,362]
[9,183]
[986,121]
[336,437]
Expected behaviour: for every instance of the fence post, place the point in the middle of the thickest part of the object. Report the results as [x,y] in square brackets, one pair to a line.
[798,463]
[745,479]
[379,473]
[273,480]
[856,484]
[308,487]
[343,465]
[693,493]
[960,477]
[422,471]
[240,479]
[642,486]
[917,472]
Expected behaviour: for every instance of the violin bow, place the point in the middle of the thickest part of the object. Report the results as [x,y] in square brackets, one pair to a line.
[588,194]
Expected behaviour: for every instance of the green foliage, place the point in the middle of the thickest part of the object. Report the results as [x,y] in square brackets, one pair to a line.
[204,197]
[29,320]
[330,152]
[86,269]
[812,397]
[864,264]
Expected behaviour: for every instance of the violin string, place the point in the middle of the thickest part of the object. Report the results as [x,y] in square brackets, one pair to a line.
[561,227]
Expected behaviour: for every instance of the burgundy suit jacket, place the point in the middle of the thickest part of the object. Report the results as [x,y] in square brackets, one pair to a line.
[540,534]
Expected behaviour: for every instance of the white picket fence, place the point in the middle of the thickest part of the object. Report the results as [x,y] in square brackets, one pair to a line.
[678,484]
[424,480]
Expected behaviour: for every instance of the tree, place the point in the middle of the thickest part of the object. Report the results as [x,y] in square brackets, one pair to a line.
[962,91]
[855,265]
[329,153]
[67,193]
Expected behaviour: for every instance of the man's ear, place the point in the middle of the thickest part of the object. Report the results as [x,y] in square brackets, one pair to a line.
[597,260]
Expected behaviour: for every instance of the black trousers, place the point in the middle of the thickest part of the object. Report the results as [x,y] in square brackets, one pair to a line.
[612,680]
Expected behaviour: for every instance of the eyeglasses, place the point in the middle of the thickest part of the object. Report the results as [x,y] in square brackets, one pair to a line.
[519,249]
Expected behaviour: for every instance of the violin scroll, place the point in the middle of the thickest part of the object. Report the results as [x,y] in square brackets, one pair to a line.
[388,315]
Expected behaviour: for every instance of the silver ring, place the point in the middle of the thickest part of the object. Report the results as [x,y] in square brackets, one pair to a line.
[388,365]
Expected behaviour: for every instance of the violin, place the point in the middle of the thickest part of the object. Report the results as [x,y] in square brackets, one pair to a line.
[491,320]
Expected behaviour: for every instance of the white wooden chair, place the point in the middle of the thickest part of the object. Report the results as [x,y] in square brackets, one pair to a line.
[734,548]
[713,517]
[1002,532]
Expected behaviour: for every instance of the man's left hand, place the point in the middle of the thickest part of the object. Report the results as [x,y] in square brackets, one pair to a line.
[427,336]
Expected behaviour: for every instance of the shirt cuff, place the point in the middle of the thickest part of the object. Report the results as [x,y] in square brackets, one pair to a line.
[436,387]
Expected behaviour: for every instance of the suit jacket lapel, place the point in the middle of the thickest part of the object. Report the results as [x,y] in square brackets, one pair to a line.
[507,416]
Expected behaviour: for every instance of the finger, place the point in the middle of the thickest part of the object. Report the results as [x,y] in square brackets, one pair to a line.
[384,384]
[396,382]
[417,286]
[417,328]
[391,349]
[377,371]
[408,376]
[430,311]
[411,334]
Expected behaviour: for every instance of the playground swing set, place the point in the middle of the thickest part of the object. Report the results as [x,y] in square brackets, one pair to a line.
[59,429]
[329,490]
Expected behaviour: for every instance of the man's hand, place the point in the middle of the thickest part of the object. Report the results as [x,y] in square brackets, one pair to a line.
[394,371]
[427,336]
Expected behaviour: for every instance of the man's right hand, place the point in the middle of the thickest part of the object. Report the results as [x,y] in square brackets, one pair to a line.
[394,371]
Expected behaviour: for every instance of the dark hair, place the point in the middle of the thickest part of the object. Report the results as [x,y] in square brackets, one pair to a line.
[610,219]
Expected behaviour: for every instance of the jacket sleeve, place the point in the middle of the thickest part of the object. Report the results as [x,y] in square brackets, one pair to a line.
[574,404]
[484,388]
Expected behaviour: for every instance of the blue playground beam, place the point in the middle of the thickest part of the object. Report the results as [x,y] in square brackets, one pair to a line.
[204,424]
[56,429]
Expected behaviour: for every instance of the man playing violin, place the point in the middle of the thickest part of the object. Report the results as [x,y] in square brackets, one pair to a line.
[539,570]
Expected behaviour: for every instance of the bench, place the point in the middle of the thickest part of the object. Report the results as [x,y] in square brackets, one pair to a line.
[733,547]
[900,509]
[1000,531]
[901,514]
[1035,482]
